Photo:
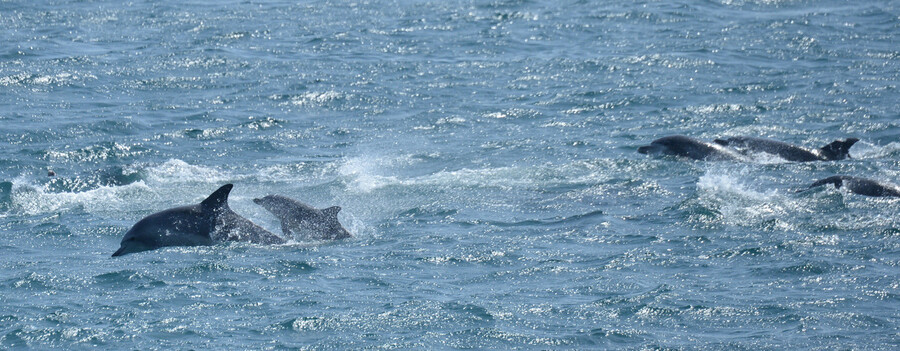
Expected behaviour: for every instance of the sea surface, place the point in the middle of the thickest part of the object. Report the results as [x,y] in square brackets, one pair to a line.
[484,155]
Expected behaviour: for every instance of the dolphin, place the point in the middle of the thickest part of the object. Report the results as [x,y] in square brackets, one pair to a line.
[231,226]
[859,185]
[837,150]
[304,220]
[680,145]
[205,223]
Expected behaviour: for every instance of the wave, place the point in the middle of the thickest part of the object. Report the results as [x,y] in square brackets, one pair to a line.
[29,199]
[95,153]
[367,174]
[865,150]
[60,79]
[111,189]
[175,171]
[723,197]
[544,221]
[732,197]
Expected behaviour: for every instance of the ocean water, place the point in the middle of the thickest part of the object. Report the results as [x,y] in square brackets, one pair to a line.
[484,155]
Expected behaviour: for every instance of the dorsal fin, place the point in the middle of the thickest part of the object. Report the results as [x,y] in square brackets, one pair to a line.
[838,181]
[838,149]
[218,199]
[332,211]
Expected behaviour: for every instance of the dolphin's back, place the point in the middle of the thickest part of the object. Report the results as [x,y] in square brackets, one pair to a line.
[231,226]
[779,148]
[837,150]
[179,226]
[299,219]
[859,185]
[684,146]
[869,187]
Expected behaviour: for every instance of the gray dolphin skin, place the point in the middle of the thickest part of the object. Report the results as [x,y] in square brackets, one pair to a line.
[205,223]
[302,220]
[231,226]
[859,185]
[683,146]
[837,150]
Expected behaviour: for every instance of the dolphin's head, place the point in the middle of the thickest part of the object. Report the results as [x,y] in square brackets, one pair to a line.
[671,145]
[278,205]
[263,201]
[180,226]
[333,227]
[141,237]
[131,246]
[648,149]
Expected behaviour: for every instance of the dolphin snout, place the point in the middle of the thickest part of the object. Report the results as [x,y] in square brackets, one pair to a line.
[257,201]
[648,149]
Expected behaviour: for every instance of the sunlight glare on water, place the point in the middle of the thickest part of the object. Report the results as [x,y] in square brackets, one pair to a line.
[484,156]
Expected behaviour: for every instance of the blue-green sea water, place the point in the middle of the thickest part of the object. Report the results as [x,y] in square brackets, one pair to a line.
[484,155]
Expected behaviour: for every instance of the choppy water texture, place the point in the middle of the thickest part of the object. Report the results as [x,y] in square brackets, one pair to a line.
[484,154]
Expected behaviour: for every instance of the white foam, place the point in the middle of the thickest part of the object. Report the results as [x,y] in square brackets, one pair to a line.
[451,120]
[315,98]
[61,78]
[282,173]
[717,108]
[863,150]
[500,177]
[766,158]
[722,182]
[94,153]
[169,180]
[13,79]
[739,203]
[366,173]
[369,174]
[176,171]
[32,200]
[560,124]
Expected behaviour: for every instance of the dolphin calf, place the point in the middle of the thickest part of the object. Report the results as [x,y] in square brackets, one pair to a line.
[837,150]
[303,220]
[859,185]
[205,223]
[680,145]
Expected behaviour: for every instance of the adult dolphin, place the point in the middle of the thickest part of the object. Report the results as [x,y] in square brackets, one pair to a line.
[859,185]
[205,223]
[683,146]
[837,150]
[302,220]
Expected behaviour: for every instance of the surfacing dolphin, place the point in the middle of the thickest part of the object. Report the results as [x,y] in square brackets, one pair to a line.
[859,185]
[837,150]
[683,146]
[304,221]
[205,223]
